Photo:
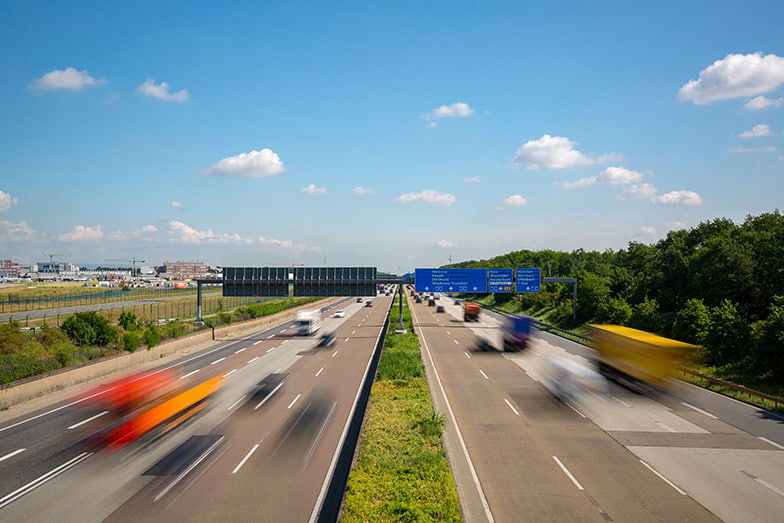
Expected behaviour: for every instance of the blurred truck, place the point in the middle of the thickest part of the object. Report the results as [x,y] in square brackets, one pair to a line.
[516,333]
[308,322]
[471,311]
[623,353]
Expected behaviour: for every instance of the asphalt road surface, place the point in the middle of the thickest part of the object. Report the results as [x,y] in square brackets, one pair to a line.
[263,456]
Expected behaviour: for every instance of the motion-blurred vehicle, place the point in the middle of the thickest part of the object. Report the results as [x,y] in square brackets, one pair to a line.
[359,300]
[516,333]
[471,311]
[339,314]
[326,340]
[436,296]
[483,344]
[457,301]
[431,302]
[308,322]
[568,380]
[627,354]
[440,308]
[418,299]
[369,303]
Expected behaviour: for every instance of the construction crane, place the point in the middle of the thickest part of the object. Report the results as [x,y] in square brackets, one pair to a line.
[133,263]
[51,257]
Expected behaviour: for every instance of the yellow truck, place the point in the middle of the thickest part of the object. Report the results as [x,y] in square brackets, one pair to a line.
[631,353]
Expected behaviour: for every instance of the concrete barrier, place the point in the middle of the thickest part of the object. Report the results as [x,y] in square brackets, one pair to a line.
[25,390]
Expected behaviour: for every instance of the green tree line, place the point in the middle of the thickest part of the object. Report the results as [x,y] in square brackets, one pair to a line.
[719,285]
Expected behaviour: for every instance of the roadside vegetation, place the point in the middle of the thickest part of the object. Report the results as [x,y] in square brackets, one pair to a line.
[719,285]
[85,336]
[401,472]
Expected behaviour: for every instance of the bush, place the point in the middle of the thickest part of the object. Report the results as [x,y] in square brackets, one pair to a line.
[692,322]
[615,311]
[51,336]
[646,316]
[152,336]
[66,353]
[727,339]
[89,328]
[129,321]
[11,338]
[130,341]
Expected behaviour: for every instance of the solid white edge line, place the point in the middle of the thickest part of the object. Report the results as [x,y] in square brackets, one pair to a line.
[336,455]
[88,420]
[320,370]
[766,440]
[670,483]
[268,396]
[12,454]
[511,407]
[475,477]
[187,470]
[248,455]
[566,471]
[37,482]
[217,361]
[699,410]
[294,401]
[483,374]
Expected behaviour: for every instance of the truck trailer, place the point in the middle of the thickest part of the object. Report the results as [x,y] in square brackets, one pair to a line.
[308,322]
[471,311]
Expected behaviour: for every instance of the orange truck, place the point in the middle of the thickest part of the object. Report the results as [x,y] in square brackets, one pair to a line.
[471,311]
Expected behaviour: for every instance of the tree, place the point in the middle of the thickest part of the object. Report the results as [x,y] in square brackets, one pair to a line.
[728,337]
[129,321]
[88,329]
[692,322]
[592,292]
[615,311]
[768,336]
[646,316]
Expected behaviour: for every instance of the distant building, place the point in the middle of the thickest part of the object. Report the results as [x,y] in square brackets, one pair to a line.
[56,267]
[9,269]
[180,270]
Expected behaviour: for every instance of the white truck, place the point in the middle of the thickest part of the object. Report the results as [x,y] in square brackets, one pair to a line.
[308,322]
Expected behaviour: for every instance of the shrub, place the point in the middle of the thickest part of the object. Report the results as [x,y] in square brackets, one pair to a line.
[89,328]
[11,338]
[130,341]
[66,353]
[51,336]
[129,321]
[152,336]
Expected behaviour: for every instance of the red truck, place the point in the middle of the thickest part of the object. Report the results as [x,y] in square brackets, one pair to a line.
[471,311]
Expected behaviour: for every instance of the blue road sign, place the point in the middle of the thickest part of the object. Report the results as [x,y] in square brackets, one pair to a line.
[451,280]
[500,280]
[528,280]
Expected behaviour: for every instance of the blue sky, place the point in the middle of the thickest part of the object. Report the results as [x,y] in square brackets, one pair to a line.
[560,109]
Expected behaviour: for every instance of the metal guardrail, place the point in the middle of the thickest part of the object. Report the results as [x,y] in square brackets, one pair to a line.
[584,340]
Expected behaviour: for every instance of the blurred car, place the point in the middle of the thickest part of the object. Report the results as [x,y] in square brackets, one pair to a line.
[431,302]
[440,308]
[418,299]
[369,303]
[359,300]
[339,314]
[457,302]
[326,340]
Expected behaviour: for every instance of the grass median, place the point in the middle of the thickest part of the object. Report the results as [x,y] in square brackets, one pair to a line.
[401,472]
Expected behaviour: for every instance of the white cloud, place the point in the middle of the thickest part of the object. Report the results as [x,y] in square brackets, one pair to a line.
[427,196]
[161,91]
[286,244]
[363,191]
[15,232]
[68,78]
[144,233]
[555,152]
[312,189]
[6,201]
[756,131]
[149,228]
[760,102]
[675,225]
[253,164]
[472,179]
[515,199]
[82,233]
[176,205]
[456,110]
[609,176]
[735,76]
[638,191]
[180,232]
[689,198]
[766,149]
[446,244]
[648,229]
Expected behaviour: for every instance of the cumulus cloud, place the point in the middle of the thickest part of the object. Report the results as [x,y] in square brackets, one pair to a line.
[760,102]
[455,110]
[609,176]
[179,232]
[766,149]
[688,198]
[472,179]
[161,92]
[638,191]
[176,205]
[514,199]
[6,201]
[286,244]
[143,233]
[149,228]
[648,229]
[363,191]
[312,189]
[756,131]
[15,232]
[253,164]
[556,152]
[427,196]
[446,244]
[735,76]
[675,225]
[82,233]
[68,78]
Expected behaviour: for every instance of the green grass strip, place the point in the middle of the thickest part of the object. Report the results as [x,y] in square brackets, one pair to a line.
[401,472]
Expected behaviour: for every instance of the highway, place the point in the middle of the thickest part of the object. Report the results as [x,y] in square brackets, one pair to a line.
[521,454]
[268,442]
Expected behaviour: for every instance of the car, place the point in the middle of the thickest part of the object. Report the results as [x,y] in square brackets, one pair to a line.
[369,303]
[359,300]
[437,296]
[339,314]
[431,302]
[418,299]
[457,302]
[440,308]
[388,294]
[326,340]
